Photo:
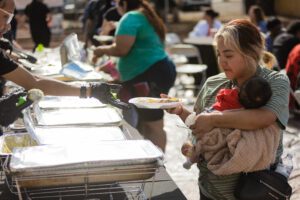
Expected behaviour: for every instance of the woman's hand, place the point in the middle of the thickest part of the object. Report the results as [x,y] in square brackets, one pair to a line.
[177,110]
[98,52]
[202,125]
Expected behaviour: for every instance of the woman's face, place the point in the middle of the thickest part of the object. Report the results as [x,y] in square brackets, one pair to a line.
[232,62]
[121,9]
[6,13]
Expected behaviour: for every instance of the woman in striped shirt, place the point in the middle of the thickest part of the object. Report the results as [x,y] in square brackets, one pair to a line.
[239,48]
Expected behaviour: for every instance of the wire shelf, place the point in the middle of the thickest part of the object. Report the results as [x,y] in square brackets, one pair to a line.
[89,184]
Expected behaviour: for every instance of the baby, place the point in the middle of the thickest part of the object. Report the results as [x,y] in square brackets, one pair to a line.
[254,93]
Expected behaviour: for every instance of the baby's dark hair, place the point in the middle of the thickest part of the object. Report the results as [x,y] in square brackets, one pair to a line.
[255,92]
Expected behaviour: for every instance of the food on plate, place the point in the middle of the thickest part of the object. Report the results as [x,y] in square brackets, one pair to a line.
[12,141]
[159,100]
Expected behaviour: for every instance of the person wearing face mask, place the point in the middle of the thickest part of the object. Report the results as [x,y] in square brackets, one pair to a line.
[239,49]
[12,71]
[143,64]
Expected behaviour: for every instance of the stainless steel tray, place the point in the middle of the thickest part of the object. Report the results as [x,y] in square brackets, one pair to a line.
[90,175]
[106,116]
[77,135]
[10,141]
[104,154]
[55,102]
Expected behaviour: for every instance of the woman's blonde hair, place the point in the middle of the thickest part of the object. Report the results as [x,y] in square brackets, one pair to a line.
[245,38]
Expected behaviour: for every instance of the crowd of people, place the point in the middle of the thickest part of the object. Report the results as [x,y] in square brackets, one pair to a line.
[146,70]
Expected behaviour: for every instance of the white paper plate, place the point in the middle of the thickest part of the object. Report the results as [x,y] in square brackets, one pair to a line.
[103,38]
[153,103]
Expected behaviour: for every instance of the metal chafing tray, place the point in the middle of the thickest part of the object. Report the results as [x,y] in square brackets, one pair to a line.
[106,161]
[75,135]
[55,102]
[106,116]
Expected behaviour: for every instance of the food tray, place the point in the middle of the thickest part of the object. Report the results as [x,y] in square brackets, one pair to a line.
[10,141]
[102,154]
[95,175]
[54,102]
[75,135]
[80,116]
[108,161]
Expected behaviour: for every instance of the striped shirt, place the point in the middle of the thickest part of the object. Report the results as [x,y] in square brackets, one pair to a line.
[222,187]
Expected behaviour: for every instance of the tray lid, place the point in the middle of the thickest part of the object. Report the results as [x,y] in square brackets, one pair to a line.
[80,116]
[77,135]
[52,102]
[102,154]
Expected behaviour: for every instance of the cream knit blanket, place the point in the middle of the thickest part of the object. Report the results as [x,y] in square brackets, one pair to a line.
[230,151]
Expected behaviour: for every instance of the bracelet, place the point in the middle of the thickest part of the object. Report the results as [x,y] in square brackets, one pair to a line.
[83,92]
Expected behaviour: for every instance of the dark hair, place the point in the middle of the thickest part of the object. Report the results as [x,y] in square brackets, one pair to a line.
[2,3]
[151,15]
[293,27]
[213,14]
[273,22]
[255,92]
[258,13]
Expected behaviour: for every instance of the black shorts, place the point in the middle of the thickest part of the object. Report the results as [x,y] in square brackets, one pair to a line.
[160,77]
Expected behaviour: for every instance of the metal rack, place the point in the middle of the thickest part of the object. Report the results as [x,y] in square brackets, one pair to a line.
[130,186]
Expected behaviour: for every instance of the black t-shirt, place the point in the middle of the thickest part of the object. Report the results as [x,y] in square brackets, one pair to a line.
[37,14]
[6,64]
[96,12]
[282,46]
[112,14]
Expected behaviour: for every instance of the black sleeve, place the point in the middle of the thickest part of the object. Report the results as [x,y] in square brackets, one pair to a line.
[6,64]
[91,11]
[112,15]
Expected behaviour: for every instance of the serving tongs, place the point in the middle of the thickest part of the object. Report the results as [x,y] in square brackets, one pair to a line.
[24,55]
[8,45]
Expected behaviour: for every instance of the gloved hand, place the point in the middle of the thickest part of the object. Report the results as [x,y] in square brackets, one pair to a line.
[9,108]
[103,92]
[6,44]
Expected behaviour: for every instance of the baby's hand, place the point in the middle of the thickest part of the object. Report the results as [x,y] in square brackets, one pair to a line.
[187,149]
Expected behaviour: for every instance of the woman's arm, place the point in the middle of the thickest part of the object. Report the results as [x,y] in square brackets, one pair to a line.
[120,48]
[27,80]
[249,119]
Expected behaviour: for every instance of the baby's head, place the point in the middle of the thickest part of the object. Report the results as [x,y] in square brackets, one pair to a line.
[255,92]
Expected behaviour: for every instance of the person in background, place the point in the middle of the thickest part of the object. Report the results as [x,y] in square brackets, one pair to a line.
[274,27]
[240,47]
[293,72]
[39,17]
[285,42]
[94,21]
[14,72]
[270,61]
[110,19]
[144,66]
[257,17]
[208,26]
[161,9]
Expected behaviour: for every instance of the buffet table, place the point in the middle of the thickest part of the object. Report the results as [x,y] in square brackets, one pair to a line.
[159,187]
[80,149]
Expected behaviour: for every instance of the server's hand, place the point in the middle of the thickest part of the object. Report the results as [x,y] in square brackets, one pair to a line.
[9,109]
[6,45]
[104,93]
